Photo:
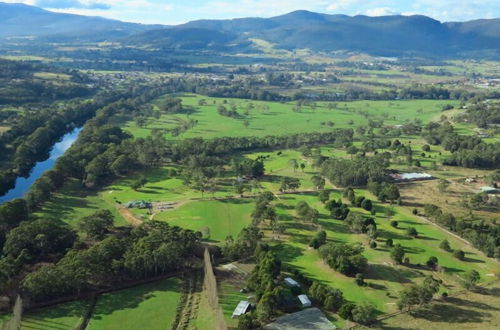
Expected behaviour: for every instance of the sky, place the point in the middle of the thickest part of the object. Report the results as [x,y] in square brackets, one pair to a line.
[181,11]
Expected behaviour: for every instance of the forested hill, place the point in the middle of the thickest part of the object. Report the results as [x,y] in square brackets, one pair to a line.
[386,35]
[23,21]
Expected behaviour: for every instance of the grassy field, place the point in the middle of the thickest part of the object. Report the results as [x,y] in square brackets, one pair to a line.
[150,306]
[222,217]
[4,318]
[471,310]
[73,203]
[268,118]
[64,316]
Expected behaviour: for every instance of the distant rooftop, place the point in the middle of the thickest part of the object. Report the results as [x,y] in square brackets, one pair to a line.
[310,319]
[411,176]
[291,282]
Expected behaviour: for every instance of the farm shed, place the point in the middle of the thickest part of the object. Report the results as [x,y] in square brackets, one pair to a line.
[291,282]
[241,309]
[304,300]
[489,190]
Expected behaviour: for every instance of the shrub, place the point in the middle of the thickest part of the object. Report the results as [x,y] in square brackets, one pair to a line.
[459,254]
[394,224]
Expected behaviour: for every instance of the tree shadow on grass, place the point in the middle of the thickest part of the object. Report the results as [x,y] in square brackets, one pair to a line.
[469,303]
[131,298]
[391,274]
[445,313]
[44,318]
[287,252]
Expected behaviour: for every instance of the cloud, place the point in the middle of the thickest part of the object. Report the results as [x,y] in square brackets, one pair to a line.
[381,11]
[62,4]
[342,5]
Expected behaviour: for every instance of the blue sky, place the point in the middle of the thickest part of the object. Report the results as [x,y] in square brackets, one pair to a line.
[180,11]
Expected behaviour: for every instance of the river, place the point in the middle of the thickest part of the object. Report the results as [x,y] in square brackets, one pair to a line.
[23,185]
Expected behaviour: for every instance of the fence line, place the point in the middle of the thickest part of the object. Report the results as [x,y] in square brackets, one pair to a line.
[210,286]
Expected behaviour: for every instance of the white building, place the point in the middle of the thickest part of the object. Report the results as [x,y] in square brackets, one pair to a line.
[291,282]
[304,300]
[241,309]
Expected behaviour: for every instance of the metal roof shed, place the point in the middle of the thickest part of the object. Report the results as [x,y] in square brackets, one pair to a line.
[241,309]
[304,300]
[291,282]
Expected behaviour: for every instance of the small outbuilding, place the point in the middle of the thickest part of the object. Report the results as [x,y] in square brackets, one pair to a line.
[489,190]
[241,309]
[304,300]
[291,282]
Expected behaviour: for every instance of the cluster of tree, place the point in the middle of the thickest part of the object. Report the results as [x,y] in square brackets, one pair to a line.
[467,151]
[385,191]
[318,240]
[264,282]
[231,113]
[289,184]
[484,113]
[356,172]
[170,105]
[149,250]
[418,295]
[337,209]
[485,236]
[249,167]
[358,201]
[344,258]
[229,145]
[245,244]
[20,85]
[331,299]
[360,224]
[264,210]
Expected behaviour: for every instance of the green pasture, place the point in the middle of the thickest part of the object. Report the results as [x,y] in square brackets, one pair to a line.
[63,316]
[387,279]
[275,118]
[72,203]
[150,306]
[4,318]
[222,217]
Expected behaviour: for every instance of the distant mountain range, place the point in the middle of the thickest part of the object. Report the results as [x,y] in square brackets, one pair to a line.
[385,35]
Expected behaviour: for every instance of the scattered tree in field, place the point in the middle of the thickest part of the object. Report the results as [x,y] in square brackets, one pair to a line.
[470,279]
[302,166]
[318,240]
[411,231]
[360,279]
[389,243]
[432,263]
[318,181]
[367,205]
[324,196]
[397,253]
[294,164]
[394,224]
[459,254]
[139,183]
[288,184]
[445,245]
